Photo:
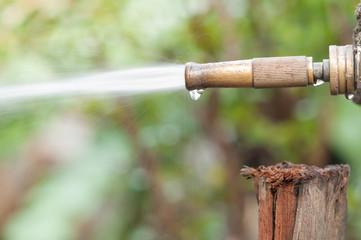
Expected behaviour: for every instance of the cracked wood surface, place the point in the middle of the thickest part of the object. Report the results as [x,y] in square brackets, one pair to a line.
[300,202]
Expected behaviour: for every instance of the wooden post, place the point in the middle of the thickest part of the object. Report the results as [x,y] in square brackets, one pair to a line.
[300,202]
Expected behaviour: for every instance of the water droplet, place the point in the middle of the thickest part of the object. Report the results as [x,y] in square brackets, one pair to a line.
[196,94]
[350,96]
[318,82]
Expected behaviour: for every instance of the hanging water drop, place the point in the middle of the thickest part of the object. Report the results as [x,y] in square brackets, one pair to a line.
[318,82]
[196,94]
[350,96]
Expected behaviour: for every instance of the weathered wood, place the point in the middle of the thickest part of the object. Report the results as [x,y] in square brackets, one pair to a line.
[280,72]
[300,202]
[285,212]
[357,42]
[265,216]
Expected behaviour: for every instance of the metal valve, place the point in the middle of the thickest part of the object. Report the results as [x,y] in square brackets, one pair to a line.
[342,70]
[300,71]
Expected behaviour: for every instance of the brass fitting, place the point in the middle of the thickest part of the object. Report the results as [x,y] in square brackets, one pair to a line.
[278,72]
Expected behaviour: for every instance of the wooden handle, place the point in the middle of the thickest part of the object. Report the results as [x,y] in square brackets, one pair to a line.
[280,72]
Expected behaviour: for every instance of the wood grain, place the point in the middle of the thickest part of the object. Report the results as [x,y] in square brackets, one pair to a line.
[280,72]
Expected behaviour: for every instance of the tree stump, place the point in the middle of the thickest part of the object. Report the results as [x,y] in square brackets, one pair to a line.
[300,202]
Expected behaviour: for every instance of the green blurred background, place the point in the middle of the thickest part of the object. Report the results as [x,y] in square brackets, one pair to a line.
[162,166]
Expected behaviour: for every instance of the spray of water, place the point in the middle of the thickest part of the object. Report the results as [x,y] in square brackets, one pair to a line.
[121,83]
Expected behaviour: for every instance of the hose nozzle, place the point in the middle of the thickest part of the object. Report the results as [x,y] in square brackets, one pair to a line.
[277,72]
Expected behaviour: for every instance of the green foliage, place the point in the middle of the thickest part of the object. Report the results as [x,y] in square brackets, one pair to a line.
[106,190]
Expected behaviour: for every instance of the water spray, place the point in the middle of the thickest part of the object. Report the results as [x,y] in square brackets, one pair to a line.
[341,70]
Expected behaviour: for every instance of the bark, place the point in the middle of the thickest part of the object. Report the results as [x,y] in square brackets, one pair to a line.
[300,202]
[357,42]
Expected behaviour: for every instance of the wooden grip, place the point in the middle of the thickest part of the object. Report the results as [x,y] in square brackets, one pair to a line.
[280,72]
